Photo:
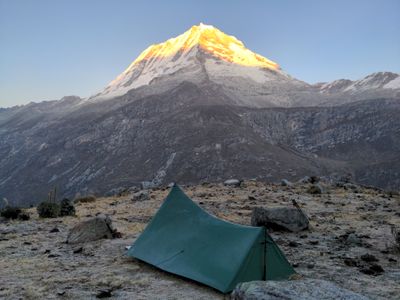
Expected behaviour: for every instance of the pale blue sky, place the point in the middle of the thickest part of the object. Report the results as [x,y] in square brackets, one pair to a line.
[49,49]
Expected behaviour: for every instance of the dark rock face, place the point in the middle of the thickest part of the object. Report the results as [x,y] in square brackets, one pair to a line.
[91,230]
[280,218]
[189,134]
[310,289]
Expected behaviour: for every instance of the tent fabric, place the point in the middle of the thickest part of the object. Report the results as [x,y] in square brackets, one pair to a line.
[185,240]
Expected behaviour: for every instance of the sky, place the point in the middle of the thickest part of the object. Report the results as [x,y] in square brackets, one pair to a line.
[50,49]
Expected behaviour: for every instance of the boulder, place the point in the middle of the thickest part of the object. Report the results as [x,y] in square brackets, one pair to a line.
[315,189]
[146,185]
[232,182]
[307,289]
[280,218]
[93,229]
[286,182]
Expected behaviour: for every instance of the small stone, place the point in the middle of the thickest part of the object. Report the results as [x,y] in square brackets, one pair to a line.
[373,269]
[293,244]
[233,182]
[141,196]
[305,179]
[352,239]
[368,258]
[350,262]
[377,268]
[104,293]
[55,229]
[286,182]
[78,250]
[315,189]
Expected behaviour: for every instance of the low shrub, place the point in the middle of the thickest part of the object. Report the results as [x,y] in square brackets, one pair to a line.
[13,213]
[67,208]
[24,216]
[10,212]
[47,209]
[85,199]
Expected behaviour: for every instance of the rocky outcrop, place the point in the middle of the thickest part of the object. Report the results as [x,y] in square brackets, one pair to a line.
[307,289]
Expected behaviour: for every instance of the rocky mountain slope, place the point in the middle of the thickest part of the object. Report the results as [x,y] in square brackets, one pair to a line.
[201,107]
[161,139]
[349,233]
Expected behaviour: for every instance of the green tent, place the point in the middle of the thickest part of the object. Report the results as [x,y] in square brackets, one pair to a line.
[185,240]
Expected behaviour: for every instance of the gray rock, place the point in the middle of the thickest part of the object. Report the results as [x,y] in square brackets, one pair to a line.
[94,229]
[141,196]
[353,240]
[146,185]
[307,289]
[286,182]
[232,182]
[280,218]
[315,189]
[305,179]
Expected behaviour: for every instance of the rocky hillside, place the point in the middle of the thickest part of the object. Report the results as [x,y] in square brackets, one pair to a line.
[348,242]
[189,135]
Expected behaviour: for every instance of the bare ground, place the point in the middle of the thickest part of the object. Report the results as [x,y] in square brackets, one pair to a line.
[38,264]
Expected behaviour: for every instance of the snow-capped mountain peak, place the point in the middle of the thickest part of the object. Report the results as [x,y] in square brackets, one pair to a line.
[209,39]
[218,51]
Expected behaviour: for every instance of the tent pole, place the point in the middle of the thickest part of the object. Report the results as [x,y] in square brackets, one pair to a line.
[265,254]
